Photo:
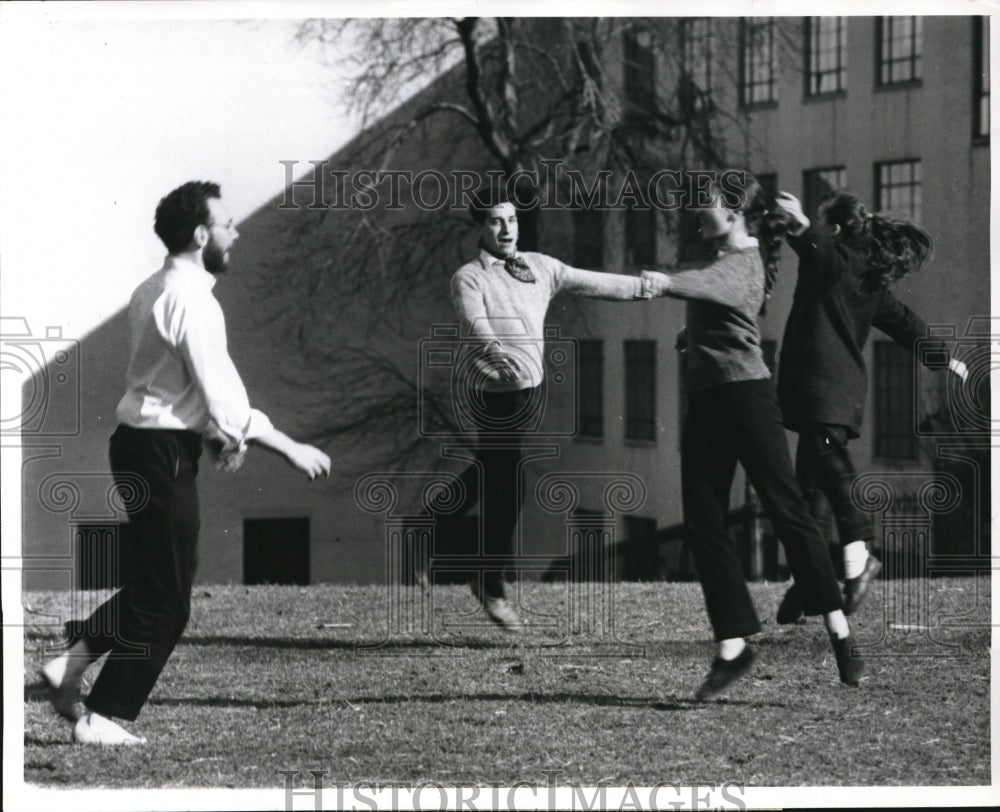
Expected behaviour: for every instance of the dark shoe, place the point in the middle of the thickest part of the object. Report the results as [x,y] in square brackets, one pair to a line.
[790,609]
[501,612]
[855,589]
[724,673]
[849,662]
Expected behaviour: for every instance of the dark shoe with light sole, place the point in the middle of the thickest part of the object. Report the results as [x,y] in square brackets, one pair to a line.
[724,673]
[790,609]
[849,662]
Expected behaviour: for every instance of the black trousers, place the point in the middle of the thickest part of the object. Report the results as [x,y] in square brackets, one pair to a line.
[142,622]
[502,420]
[826,473]
[741,422]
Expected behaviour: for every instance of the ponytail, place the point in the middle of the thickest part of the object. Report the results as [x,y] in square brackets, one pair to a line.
[895,248]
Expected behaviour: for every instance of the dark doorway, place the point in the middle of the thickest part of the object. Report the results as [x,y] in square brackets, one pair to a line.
[276,551]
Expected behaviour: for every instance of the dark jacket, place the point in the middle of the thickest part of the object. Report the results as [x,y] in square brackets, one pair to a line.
[821,372]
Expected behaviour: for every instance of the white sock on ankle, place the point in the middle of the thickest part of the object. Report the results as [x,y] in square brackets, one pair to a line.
[836,624]
[731,648]
[855,558]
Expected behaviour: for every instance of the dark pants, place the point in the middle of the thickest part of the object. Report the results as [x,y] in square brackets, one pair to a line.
[824,469]
[142,622]
[501,426]
[741,422]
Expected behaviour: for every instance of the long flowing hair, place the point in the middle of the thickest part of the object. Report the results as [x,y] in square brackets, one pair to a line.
[897,246]
[743,193]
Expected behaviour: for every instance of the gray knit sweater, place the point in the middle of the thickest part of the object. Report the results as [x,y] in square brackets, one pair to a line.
[723,300]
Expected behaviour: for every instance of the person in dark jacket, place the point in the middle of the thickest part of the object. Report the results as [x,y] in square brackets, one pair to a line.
[848,261]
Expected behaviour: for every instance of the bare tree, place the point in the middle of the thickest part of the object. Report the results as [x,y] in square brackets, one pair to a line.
[359,286]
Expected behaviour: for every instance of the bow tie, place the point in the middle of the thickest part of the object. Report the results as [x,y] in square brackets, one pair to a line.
[518,268]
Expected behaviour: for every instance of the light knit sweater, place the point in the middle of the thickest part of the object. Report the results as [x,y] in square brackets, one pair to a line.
[494,307]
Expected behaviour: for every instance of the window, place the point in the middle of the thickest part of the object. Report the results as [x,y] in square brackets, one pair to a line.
[818,183]
[768,185]
[826,49]
[588,238]
[591,383]
[894,435]
[759,61]
[692,248]
[897,188]
[900,49]
[696,62]
[640,235]
[640,390]
[982,78]
[640,67]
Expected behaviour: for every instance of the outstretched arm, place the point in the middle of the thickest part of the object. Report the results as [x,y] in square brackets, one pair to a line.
[726,282]
[905,327]
[306,458]
[598,285]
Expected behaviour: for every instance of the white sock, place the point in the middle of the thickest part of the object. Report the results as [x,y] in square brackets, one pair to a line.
[855,558]
[836,624]
[731,648]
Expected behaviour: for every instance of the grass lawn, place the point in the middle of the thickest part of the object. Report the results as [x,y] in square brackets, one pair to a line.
[329,678]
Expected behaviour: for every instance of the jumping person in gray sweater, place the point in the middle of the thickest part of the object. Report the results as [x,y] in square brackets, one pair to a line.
[733,416]
[501,298]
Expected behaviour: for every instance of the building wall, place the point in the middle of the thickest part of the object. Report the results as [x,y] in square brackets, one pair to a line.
[931,121]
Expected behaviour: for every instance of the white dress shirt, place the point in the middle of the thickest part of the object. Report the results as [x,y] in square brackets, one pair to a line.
[180,375]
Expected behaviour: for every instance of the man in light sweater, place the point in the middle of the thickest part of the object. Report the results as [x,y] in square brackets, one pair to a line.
[501,298]
[181,389]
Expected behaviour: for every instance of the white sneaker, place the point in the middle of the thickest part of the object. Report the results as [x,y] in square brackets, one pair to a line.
[92,728]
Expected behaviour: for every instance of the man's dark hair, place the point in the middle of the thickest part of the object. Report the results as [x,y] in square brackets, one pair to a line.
[484,200]
[182,211]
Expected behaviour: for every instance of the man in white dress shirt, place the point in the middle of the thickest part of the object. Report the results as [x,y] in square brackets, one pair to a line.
[181,388]
[501,298]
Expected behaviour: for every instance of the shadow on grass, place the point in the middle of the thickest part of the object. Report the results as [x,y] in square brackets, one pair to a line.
[669,703]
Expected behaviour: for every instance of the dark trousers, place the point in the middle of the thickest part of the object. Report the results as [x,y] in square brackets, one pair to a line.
[501,423]
[142,622]
[826,473]
[741,422]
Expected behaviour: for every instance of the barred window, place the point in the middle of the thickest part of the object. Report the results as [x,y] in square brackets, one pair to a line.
[759,61]
[900,49]
[591,387]
[894,435]
[897,187]
[640,72]
[696,60]
[588,238]
[818,183]
[982,78]
[826,40]
[640,389]
[640,235]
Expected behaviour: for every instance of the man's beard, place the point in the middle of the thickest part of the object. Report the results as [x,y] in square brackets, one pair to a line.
[215,258]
